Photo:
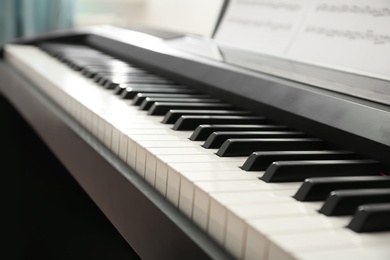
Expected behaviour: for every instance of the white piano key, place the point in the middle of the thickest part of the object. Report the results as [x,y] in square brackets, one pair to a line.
[239,215]
[186,197]
[161,177]
[257,243]
[159,137]
[115,141]
[141,162]
[151,161]
[123,139]
[189,179]
[206,166]
[201,200]
[377,252]
[219,201]
[131,153]
[293,244]
[107,134]
[150,169]
[212,193]
[204,156]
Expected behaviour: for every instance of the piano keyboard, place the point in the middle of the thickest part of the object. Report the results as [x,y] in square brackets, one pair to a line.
[259,188]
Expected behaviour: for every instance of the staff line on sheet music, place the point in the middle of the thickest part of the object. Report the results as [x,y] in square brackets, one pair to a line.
[368,35]
[354,9]
[271,4]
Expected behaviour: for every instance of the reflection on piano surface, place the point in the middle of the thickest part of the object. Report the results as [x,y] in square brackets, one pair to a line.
[235,151]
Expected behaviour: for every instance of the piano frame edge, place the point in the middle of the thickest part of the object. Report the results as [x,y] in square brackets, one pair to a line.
[359,125]
[114,187]
[341,122]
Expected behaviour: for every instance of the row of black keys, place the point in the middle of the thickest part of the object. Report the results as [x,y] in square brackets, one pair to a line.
[344,180]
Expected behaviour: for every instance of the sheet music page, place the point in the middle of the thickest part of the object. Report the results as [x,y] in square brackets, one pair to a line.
[266,26]
[352,35]
[349,35]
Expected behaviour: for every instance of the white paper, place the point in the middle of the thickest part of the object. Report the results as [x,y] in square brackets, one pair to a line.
[352,35]
[348,35]
[262,25]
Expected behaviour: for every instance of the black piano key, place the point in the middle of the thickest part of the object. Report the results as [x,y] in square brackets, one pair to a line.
[288,171]
[216,139]
[113,83]
[244,147]
[173,115]
[371,218]
[147,85]
[104,73]
[345,202]
[136,78]
[202,132]
[148,102]
[102,78]
[259,161]
[79,65]
[131,92]
[137,100]
[121,87]
[316,189]
[161,108]
[192,122]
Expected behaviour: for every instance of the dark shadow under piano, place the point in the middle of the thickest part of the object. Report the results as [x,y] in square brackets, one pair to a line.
[45,213]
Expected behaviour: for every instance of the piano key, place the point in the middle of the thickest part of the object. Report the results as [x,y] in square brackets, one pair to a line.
[239,215]
[148,102]
[157,159]
[161,108]
[107,62]
[286,246]
[175,176]
[102,74]
[191,122]
[219,201]
[371,218]
[244,147]
[345,202]
[137,100]
[136,76]
[128,81]
[202,132]
[216,139]
[201,191]
[118,90]
[131,92]
[299,170]
[173,115]
[315,189]
[379,252]
[83,112]
[260,161]
[261,228]
[98,72]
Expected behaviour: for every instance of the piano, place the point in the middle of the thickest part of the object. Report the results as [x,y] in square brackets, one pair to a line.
[192,153]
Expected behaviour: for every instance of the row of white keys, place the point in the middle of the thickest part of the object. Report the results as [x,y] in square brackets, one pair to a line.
[174,172]
[222,200]
[142,151]
[310,245]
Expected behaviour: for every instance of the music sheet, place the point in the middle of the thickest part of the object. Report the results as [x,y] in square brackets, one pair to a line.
[349,35]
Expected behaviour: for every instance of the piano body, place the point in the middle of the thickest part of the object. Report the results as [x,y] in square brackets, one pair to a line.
[236,155]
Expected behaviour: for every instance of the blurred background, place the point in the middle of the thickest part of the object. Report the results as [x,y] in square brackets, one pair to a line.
[20,18]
